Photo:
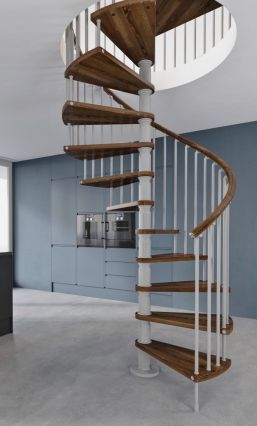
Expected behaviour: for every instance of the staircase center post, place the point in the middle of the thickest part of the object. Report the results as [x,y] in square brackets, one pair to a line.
[144,368]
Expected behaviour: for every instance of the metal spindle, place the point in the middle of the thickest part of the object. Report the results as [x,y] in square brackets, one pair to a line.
[218,280]
[86,30]
[204,210]
[213,186]
[209,285]
[175,48]
[224,277]
[185,43]
[222,22]
[164,219]
[195,41]
[228,283]
[164,51]
[85,127]
[214,28]
[185,199]
[111,188]
[85,168]
[175,193]
[132,170]
[195,188]
[204,34]
[121,172]
[197,279]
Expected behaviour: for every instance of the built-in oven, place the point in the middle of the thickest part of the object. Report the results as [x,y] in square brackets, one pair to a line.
[106,230]
[120,230]
[90,230]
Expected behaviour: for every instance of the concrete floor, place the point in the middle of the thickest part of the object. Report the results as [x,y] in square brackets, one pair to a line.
[67,364]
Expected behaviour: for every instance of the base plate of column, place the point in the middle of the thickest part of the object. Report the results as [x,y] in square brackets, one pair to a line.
[145,374]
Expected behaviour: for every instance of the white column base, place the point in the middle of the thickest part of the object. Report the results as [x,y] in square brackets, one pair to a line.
[145,374]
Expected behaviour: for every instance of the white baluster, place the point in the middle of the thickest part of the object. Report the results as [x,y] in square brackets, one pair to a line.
[204,210]
[132,170]
[197,279]
[121,172]
[154,180]
[224,276]
[164,205]
[219,252]
[209,285]
[196,188]
[175,48]
[186,199]
[175,193]
[85,168]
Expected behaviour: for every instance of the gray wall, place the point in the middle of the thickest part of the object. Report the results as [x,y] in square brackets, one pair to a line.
[47,196]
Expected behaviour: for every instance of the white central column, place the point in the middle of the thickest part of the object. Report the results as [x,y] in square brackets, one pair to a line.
[144,368]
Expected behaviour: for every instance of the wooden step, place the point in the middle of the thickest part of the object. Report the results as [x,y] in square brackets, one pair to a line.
[115,181]
[132,206]
[96,151]
[182,360]
[78,113]
[178,287]
[100,68]
[185,320]
[130,25]
[157,231]
[171,14]
[170,257]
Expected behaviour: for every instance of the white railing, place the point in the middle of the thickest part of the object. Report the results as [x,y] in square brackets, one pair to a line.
[183,54]
[200,181]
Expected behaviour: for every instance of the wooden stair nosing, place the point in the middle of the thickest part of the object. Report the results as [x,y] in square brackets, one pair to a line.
[182,360]
[79,113]
[156,231]
[97,151]
[131,206]
[178,287]
[116,180]
[170,15]
[130,25]
[100,68]
[186,320]
[170,257]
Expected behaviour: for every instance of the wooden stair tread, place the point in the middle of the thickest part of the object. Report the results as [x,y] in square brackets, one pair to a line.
[185,320]
[156,231]
[130,25]
[97,151]
[100,68]
[132,206]
[79,113]
[170,257]
[170,14]
[116,180]
[178,287]
[182,360]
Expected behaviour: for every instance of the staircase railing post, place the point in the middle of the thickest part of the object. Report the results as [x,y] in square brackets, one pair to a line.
[144,368]
[197,282]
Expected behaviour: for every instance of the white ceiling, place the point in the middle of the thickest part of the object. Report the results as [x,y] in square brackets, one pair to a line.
[32,86]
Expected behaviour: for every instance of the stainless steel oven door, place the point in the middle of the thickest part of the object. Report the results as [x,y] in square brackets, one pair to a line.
[120,230]
[90,230]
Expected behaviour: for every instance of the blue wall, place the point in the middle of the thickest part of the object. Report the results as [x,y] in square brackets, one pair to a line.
[47,197]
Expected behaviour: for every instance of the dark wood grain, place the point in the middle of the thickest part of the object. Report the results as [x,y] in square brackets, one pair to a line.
[130,25]
[78,113]
[170,257]
[157,231]
[97,151]
[116,180]
[186,320]
[182,360]
[171,14]
[178,287]
[100,68]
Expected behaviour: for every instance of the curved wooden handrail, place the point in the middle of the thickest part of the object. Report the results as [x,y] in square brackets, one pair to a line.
[199,229]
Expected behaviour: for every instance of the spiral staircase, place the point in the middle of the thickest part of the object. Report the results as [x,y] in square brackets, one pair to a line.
[132,25]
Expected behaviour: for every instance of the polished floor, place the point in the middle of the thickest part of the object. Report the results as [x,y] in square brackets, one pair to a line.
[67,364]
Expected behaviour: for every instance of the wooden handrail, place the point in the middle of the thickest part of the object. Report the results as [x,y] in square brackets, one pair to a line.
[199,229]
